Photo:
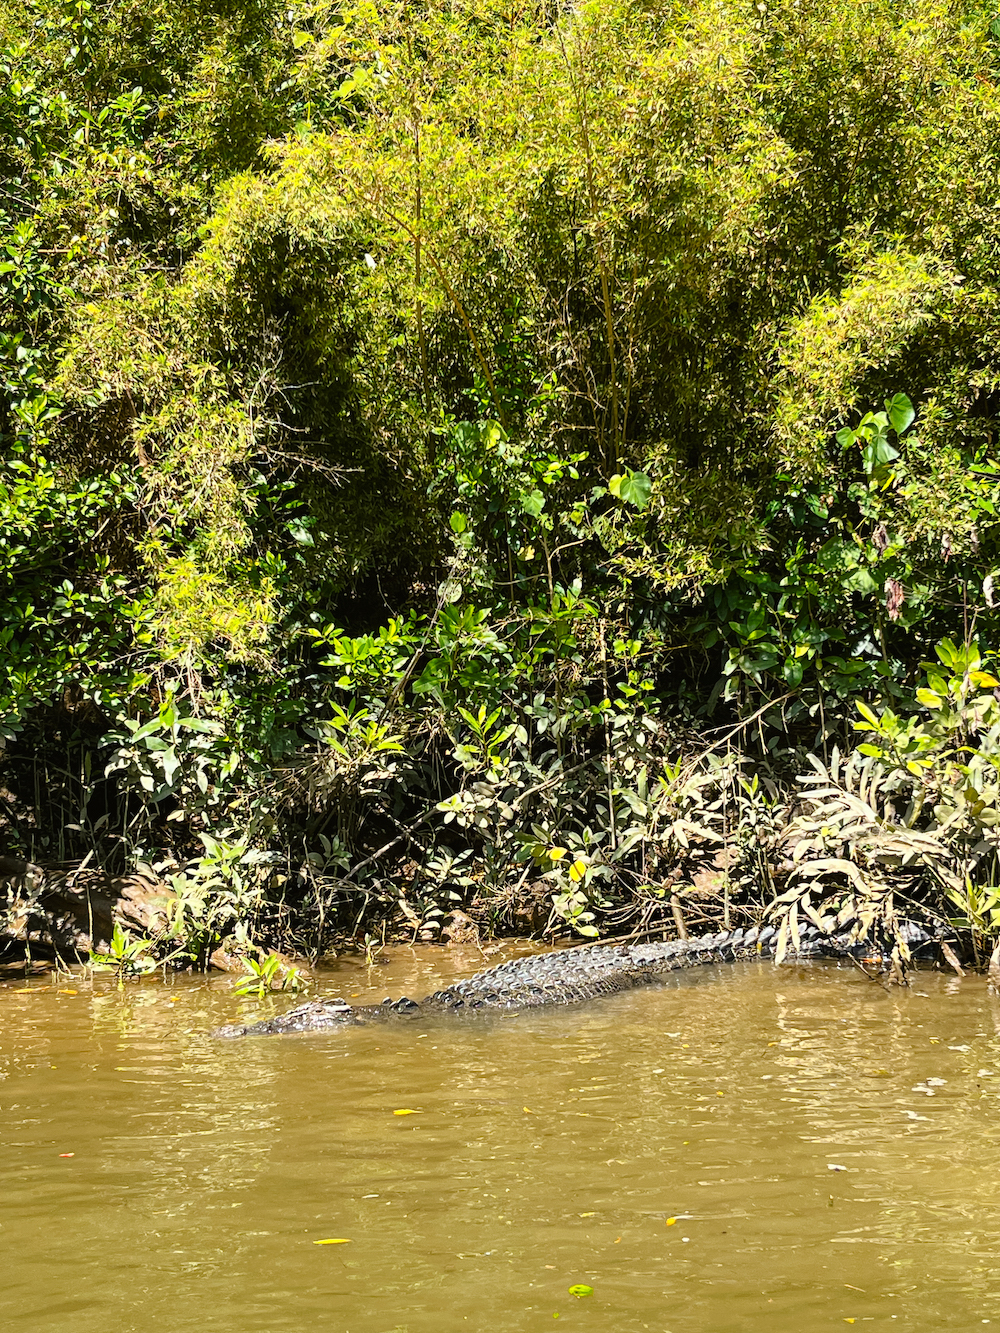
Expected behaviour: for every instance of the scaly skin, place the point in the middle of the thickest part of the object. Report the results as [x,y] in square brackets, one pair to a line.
[570,976]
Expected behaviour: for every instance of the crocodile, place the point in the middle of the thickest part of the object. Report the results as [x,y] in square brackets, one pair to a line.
[570,976]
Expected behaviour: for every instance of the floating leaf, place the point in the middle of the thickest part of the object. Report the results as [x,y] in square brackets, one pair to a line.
[337,1240]
[581,1289]
[405,1111]
[671,1221]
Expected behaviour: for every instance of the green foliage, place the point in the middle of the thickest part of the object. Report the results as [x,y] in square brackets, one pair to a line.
[871,435]
[977,910]
[262,976]
[127,957]
[419,423]
[831,350]
[914,809]
[219,895]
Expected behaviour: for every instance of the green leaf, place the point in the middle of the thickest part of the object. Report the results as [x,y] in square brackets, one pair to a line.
[792,671]
[868,715]
[198,724]
[147,729]
[533,503]
[170,766]
[878,454]
[929,699]
[298,532]
[635,488]
[900,412]
[458,522]
[860,581]
[581,1289]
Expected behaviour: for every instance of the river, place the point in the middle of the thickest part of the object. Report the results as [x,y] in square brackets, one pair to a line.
[746,1148]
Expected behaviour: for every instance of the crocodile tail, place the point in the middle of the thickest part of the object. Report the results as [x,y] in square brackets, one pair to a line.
[762,942]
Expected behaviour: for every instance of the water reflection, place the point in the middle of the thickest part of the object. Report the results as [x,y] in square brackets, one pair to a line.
[744,1148]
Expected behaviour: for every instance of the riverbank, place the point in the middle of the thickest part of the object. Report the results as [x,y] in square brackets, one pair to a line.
[127,925]
[537,464]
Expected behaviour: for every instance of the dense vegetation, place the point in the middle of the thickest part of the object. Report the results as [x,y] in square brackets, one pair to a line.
[502,456]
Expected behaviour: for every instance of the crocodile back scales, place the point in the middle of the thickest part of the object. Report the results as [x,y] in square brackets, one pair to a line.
[570,976]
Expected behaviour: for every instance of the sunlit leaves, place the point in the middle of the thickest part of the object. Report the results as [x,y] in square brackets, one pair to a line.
[634,488]
[901,413]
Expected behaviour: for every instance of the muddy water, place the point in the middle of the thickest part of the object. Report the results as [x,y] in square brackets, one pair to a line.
[744,1149]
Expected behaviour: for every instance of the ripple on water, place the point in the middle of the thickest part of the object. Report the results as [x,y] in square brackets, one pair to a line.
[671,1148]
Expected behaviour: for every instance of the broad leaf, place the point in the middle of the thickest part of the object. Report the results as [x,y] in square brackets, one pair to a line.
[900,412]
[635,488]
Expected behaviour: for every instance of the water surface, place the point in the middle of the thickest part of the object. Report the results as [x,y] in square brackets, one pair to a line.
[744,1149]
